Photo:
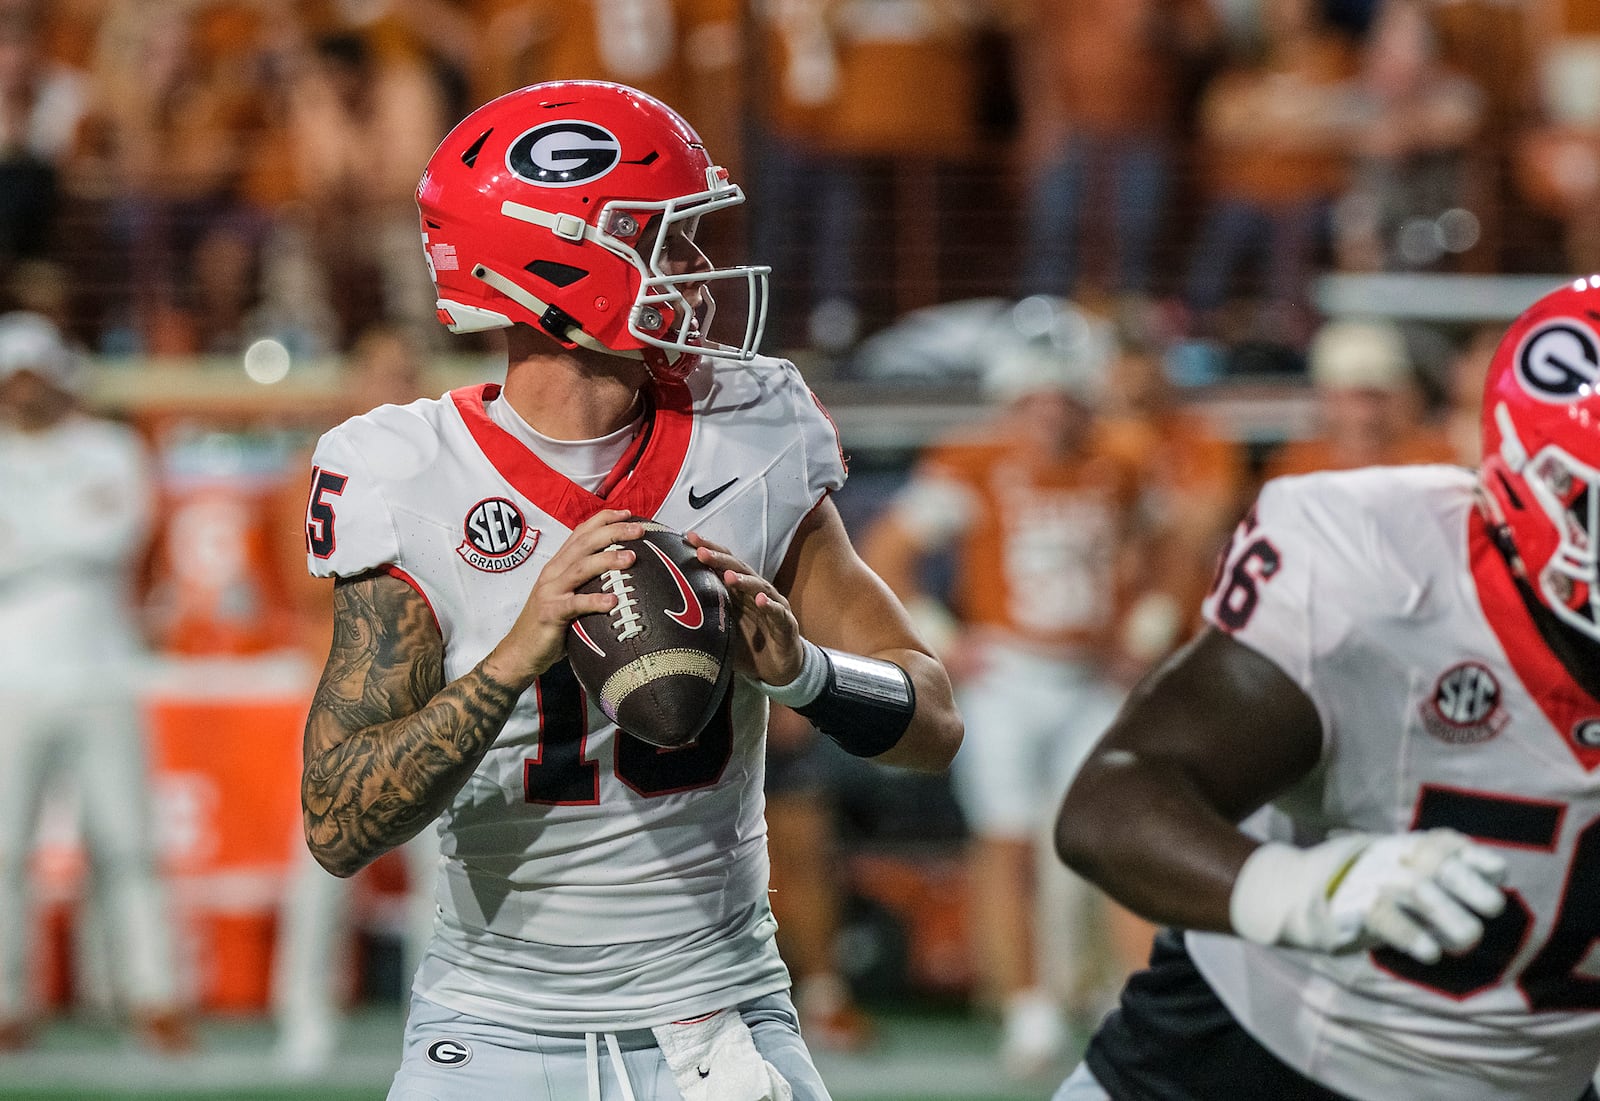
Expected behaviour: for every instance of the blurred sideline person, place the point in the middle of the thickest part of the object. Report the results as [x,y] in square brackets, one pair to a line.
[384,368]
[1194,488]
[603,921]
[1039,507]
[1369,409]
[808,882]
[74,511]
[1464,393]
[1368,790]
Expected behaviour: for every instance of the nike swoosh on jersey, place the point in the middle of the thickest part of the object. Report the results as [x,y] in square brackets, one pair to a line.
[699,500]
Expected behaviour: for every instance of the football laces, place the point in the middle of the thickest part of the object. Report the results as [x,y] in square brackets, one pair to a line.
[625,618]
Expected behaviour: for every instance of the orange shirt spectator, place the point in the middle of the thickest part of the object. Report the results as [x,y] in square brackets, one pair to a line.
[1273,139]
[1268,132]
[853,76]
[1113,66]
[1106,80]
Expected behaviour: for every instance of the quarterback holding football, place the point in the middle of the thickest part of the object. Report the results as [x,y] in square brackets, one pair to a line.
[602,923]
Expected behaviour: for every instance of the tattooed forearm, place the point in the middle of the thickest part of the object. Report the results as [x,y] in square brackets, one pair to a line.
[388,743]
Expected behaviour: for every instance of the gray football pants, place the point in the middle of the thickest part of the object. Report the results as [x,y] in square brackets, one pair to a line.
[451,1056]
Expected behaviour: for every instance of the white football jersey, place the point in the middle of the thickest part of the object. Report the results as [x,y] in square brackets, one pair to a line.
[1380,593]
[75,506]
[589,881]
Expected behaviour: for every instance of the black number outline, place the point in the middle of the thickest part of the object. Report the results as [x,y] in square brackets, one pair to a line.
[319,512]
[1550,980]
[562,774]
[1232,616]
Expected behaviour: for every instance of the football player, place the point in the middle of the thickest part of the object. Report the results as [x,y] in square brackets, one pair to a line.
[602,922]
[75,500]
[1367,791]
[1038,505]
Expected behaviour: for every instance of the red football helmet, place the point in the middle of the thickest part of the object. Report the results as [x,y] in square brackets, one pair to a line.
[1541,448]
[555,206]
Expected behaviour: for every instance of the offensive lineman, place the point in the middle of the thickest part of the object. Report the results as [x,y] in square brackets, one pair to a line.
[1398,696]
[602,904]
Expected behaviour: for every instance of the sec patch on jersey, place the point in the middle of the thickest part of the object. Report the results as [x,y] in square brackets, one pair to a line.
[657,664]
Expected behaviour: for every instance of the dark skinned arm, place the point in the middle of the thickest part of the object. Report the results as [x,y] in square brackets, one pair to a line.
[1215,733]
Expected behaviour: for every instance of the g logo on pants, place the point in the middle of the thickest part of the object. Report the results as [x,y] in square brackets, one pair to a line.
[449,1053]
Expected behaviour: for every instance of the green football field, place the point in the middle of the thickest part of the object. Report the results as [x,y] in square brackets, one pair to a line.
[919,1056]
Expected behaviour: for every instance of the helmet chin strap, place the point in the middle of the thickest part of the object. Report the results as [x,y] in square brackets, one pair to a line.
[564,329]
[569,330]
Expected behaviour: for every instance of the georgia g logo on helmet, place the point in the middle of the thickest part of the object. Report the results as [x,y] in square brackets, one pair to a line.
[1559,361]
[564,154]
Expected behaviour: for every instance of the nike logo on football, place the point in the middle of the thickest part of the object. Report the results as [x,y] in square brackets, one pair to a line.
[699,500]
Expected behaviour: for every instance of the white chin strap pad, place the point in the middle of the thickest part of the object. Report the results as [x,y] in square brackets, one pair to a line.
[470,319]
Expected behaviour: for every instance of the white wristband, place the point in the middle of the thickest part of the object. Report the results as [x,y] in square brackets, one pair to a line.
[805,687]
[1259,907]
[1282,894]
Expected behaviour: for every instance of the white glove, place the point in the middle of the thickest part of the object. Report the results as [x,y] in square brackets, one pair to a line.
[1424,893]
[715,1059]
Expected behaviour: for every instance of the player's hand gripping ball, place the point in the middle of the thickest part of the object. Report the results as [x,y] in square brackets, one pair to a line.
[658,663]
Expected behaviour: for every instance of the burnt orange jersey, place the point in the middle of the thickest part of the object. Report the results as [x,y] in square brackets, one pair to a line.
[1179,454]
[1193,479]
[1113,66]
[1037,540]
[1269,164]
[1578,17]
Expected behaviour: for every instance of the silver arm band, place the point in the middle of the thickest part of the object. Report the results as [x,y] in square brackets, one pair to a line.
[866,704]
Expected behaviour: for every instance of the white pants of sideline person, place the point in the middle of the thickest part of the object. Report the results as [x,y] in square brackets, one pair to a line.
[313,934]
[93,742]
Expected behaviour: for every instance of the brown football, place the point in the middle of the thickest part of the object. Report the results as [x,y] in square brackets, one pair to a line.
[657,664]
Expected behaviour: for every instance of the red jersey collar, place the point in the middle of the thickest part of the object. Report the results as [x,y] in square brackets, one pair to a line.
[1559,696]
[639,482]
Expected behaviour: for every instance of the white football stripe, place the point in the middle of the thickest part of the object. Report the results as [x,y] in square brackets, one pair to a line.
[652,666]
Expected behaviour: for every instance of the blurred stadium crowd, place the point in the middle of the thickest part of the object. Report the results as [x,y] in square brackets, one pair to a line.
[183,179]
[181,176]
